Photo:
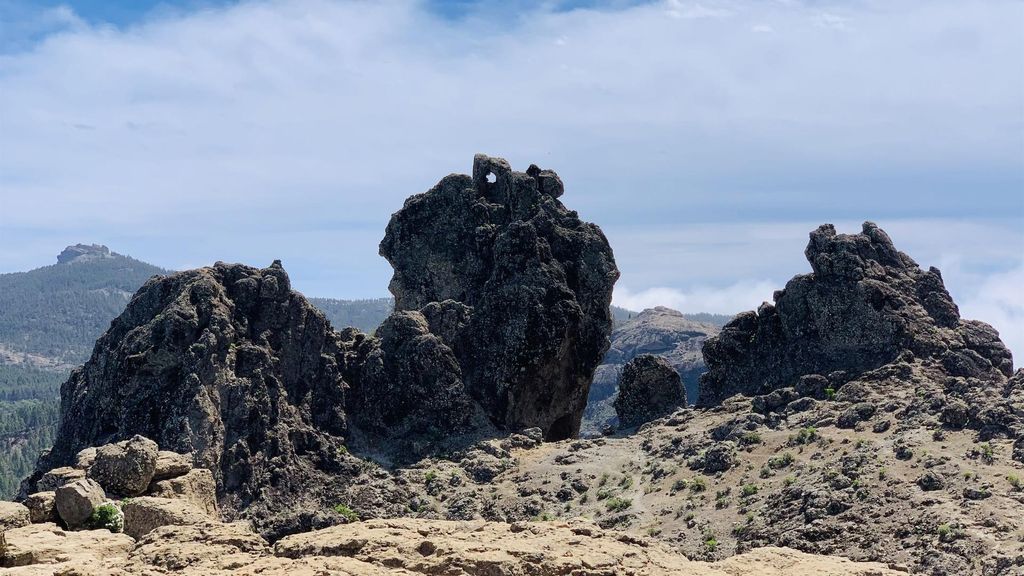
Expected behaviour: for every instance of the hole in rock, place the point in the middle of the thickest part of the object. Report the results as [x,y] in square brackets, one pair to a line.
[491,177]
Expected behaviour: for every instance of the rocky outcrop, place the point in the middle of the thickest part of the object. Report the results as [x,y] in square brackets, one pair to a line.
[514,283]
[83,252]
[865,305]
[659,331]
[649,388]
[394,548]
[13,515]
[76,501]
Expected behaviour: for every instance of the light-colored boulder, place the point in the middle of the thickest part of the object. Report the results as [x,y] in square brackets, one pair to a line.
[143,514]
[85,458]
[196,487]
[75,501]
[58,477]
[13,515]
[42,507]
[48,544]
[125,468]
[171,465]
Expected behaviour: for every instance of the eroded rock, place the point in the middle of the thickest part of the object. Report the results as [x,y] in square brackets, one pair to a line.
[649,388]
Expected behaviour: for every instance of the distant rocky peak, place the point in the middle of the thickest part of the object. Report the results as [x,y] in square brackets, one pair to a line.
[83,252]
[854,255]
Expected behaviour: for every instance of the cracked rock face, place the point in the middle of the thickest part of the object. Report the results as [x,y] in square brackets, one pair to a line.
[517,285]
[865,305]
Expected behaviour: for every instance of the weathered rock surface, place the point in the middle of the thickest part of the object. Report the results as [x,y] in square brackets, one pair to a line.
[75,501]
[514,283]
[649,388]
[53,479]
[659,331]
[42,507]
[125,468]
[146,513]
[171,465]
[197,487]
[13,515]
[48,549]
[396,548]
[864,306]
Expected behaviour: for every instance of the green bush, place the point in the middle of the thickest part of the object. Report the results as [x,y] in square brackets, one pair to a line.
[698,485]
[347,512]
[749,490]
[618,504]
[108,516]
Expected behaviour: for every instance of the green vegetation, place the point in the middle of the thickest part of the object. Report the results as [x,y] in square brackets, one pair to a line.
[698,485]
[29,410]
[749,490]
[618,504]
[944,530]
[430,476]
[805,436]
[750,439]
[830,393]
[346,512]
[1016,482]
[679,485]
[106,516]
[781,461]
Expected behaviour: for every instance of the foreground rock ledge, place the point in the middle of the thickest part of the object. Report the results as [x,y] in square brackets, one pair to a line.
[405,546]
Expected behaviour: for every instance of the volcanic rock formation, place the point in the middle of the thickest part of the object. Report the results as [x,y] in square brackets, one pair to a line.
[649,388]
[516,284]
[864,305]
[229,364]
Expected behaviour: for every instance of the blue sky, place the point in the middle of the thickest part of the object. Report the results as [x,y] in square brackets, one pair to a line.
[706,138]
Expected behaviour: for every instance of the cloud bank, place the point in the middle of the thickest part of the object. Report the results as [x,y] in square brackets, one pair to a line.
[706,137]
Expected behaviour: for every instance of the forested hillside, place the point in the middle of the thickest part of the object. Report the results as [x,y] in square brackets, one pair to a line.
[58,311]
[365,315]
[29,406]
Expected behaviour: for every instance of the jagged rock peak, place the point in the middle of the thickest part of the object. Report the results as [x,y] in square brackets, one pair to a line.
[516,284]
[83,252]
[864,305]
[226,363]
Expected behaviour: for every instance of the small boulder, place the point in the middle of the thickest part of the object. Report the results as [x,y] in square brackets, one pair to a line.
[197,487]
[125,468]
[13,515]
[85,458]
[648,389]
[143,515]
[931,481]
[171,465]
[955,414]
[720,457]
[42,507]
[58,477]
[75,501]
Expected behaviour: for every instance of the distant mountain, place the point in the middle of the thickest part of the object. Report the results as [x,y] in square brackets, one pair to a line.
[53,315]
[365,315]
[621,315]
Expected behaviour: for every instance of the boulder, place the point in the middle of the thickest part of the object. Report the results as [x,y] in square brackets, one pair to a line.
[85,458]
[514,283]
[125,468]
[58,477]
[196,487]
[143,514]
[75,501]
[649,388]
[13,515]
[42,507]
[171,465]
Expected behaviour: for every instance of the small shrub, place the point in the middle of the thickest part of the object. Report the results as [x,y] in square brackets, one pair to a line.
[882,473]
[626,482]
[618,504]
[988,453]
[945,530]
[430,477]
[750,438]
[781,461]
[342,450]
[346,512]
[679,485]
[749,490]
[544,517]
[830,393]
[789,480]
[603,480]
[711,543]
[698,485]
[1016,482]
[806,436]
[106,516]
[604,494]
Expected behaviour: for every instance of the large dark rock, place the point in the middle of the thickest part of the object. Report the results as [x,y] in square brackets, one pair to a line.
[649,388]
[516,285]
[864,305]
[226,363]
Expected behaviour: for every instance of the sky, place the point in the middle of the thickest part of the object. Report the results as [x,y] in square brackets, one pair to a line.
[705,138]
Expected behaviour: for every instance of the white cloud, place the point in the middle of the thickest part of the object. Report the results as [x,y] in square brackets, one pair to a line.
[999,300]
[725,300]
